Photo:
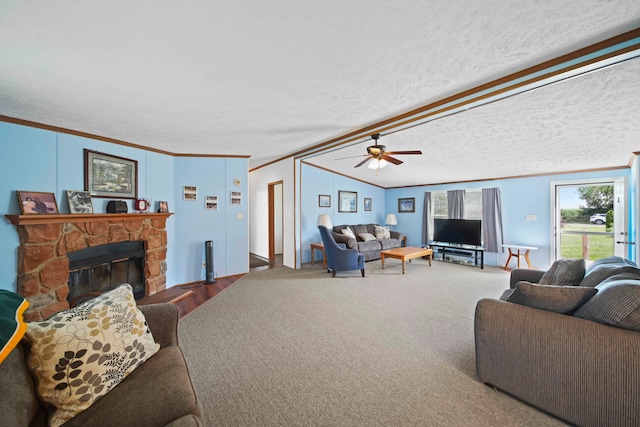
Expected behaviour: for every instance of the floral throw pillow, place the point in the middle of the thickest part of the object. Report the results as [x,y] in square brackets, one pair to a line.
[80,354]
[382,232]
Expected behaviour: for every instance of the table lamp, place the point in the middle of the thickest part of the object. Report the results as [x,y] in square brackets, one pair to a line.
[325,220]
[391,220]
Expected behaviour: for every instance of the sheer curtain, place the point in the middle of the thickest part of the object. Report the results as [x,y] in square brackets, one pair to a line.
[455,203]
[492,219]
[427,219]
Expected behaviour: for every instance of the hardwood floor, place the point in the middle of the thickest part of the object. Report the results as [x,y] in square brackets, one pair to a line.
[190,296]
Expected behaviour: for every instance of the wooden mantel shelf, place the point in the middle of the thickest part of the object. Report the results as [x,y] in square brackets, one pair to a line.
[62,218]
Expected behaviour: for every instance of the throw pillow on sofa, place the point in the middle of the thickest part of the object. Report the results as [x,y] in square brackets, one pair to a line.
[78,355]
[564,272]
[367,237]
[617,302]
[347,232]
[559,299]
[382,232]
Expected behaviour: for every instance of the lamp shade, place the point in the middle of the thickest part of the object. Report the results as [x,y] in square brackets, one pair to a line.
[325,220]
[391,219]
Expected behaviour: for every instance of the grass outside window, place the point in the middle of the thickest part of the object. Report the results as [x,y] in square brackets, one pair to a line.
[600,246]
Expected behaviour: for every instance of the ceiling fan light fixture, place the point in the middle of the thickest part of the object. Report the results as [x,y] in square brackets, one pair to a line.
[377,164]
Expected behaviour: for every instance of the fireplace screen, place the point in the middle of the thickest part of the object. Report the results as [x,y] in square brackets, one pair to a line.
[99,269]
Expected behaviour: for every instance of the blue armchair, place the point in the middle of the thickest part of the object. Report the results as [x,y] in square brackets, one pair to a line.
[339,258]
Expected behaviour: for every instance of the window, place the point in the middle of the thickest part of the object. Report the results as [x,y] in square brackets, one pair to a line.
[472,208]
[473,205]
[440,204]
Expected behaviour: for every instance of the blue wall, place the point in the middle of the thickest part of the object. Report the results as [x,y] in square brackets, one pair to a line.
[41,160]
[317,181]
[520,197]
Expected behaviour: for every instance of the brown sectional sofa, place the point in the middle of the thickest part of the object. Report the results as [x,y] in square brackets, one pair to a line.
[157,393]
[583,371]
[371,250]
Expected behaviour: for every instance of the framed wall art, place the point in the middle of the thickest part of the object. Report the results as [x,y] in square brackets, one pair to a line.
[190,193]
[110,176]
[367,204]
[236,198]
[211,203]
[324,201]
[347,201]
[407,204]
[36,202]
[79,202]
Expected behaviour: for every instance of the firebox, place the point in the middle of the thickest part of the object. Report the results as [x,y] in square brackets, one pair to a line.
[99,269]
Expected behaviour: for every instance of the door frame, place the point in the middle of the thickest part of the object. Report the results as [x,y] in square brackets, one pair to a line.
[271,208]
[621,219]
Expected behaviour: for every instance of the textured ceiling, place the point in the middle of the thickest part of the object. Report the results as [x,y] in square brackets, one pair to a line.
[268,79]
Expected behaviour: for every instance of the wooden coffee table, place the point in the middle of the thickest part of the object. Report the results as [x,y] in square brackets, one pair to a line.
[406,253]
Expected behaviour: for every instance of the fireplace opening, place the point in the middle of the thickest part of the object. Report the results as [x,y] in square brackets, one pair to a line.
[95,270]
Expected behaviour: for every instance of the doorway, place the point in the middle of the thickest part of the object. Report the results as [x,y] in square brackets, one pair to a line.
[276,203]
[589,219]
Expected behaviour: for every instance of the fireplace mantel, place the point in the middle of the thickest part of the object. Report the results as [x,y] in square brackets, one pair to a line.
[62,218]
[45,240]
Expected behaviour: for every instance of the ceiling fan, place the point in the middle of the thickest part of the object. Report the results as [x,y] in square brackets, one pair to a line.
[379,157]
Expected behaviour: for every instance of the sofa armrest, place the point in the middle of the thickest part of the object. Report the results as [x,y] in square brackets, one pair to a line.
[581,371]
[519,274]
[163,321]
[397,235]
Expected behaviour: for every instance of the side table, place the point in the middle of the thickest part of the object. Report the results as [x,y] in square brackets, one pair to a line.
[517,254]
[320,247]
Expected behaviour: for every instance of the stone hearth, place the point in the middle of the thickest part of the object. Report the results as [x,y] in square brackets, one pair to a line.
[45,240]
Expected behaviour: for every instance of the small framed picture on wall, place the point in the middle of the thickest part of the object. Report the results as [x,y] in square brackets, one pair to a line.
[407,204]
[211,203]
[190,192]
[324,201]
[367,204]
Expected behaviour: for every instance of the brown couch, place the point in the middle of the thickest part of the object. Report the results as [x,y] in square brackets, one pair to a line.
[371,250]
[157,393]
[583,371]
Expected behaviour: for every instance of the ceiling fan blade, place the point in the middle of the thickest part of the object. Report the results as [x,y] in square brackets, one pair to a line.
[352,157]
[404,152]
[363,162]
[391,159]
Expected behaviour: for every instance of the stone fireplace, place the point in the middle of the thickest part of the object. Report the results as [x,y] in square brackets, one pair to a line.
[45,241]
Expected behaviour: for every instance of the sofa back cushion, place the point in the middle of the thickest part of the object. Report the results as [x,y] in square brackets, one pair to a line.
[617,302]
[607,267]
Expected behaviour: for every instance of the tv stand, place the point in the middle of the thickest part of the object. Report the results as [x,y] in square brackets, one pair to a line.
[450,250]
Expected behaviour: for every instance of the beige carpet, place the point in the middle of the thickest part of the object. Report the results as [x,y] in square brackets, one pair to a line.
[298,348]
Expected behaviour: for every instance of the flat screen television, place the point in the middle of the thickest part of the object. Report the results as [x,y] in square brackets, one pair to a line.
[458,231]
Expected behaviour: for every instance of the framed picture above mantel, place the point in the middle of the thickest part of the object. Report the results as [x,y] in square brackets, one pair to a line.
[110,176]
